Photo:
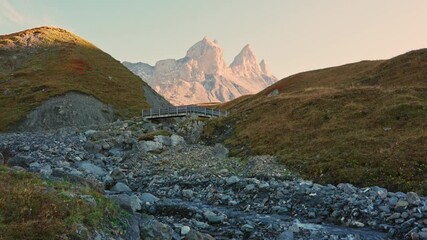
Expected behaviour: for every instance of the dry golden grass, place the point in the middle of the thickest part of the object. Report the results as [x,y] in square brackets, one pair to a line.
[32,208]
[334,131]
[57,62]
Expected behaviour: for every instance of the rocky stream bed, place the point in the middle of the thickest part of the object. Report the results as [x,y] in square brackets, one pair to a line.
[175,189]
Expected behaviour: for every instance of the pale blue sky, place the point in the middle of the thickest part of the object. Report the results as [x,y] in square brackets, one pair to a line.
[293,36]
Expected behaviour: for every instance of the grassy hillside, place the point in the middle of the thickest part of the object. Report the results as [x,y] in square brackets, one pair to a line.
[39,63]
[33,208]
[364,123]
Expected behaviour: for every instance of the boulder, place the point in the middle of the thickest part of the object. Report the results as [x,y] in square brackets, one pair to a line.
[148,198]
[232,180]
[286,235]
[196,235]
[151,229]
[165,140]
[187,193]
[150,146]
[176,140]
[220,151]
[117,174]
[92,169]
[213,218]
[21,161]
[121,187]
[128,203]
[413,198]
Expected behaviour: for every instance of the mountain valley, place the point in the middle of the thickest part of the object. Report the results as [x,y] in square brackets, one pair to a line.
[337,153]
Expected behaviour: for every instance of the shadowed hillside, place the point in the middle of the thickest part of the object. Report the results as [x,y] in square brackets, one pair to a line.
[364,123]
[39,63]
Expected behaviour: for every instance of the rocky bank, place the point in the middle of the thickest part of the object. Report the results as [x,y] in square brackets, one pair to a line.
[178,188]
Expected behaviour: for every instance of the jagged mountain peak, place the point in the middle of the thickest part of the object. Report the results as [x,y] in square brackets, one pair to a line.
[202,47]
[265,68]
[202,76]
[245,57]
[246,63]
[209,56]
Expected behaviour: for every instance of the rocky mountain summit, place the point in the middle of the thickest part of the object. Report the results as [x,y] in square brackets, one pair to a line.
[175,189]
[203,76]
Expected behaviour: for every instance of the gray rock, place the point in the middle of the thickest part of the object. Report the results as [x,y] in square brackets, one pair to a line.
[401,204]
[413,198]
[213,218]
[294,228]
[380,192]
[165,140]
[76,173]
[26,148]
[286,235]
[132,231]
[195,235]
[70,109]
[150,146]
[423,235]
[232,180]
[129,203]
[385,209]
[1,158]
[155,230]
[108,180]
[121,187]
[187,193]
[249,187]
[148,198]
[306,184]
[393,216]
[200,225]
[106,146]
[117,174]
[35,167]
[46,171]
[93,169]
[393,200]
[347,188]
[116,152]
[177,140]
[247,228]
[185,230]
[89,133]
[274,93]
[220,151]
[264,185]
[21,161]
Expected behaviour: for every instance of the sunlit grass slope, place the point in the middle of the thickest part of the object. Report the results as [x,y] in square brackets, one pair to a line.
[33,208]
[364,123]
[39,63]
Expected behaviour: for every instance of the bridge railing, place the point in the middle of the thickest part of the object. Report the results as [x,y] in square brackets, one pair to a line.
[182,111]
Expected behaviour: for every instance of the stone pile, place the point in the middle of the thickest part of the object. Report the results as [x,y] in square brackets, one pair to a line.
[176,190]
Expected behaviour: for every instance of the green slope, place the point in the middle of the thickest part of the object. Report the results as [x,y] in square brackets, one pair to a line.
[43,62]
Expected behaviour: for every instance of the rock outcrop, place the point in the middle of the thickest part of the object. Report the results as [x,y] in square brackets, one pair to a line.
[203,76]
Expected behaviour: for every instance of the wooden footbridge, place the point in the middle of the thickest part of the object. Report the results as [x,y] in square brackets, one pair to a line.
[182,111]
